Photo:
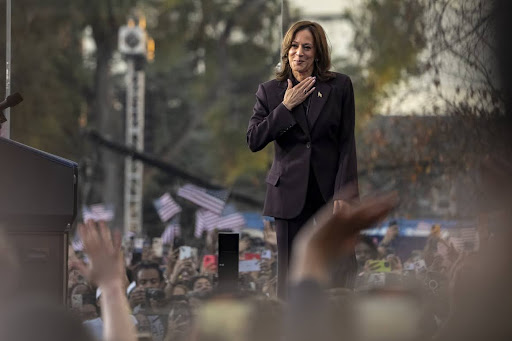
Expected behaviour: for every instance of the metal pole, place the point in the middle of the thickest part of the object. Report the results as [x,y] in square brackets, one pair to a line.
[6,127]
[282,21]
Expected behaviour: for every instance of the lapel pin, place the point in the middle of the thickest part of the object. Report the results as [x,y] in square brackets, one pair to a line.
[319,94]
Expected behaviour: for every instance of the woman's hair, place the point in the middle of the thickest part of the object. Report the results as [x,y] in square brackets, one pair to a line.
[322,59]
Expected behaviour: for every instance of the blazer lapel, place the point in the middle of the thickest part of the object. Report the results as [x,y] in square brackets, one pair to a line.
[298,111]
[319,97]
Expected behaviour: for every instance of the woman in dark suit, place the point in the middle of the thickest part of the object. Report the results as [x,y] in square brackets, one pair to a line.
[308,112]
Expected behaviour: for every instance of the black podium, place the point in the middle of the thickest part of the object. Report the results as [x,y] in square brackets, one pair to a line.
[38,204]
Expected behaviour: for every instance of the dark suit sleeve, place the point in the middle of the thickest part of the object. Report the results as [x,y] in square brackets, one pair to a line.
[346,185]
[265,126]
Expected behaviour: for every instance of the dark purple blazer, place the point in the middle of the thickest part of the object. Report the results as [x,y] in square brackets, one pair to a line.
[323,141]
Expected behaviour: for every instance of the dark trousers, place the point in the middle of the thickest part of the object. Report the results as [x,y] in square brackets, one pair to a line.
[287,230]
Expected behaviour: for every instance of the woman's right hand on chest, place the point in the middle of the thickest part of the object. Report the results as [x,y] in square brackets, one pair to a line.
[295,95]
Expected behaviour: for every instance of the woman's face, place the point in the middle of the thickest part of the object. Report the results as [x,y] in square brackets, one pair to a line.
[301,55]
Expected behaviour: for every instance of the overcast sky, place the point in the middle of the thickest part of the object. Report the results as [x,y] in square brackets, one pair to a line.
[338,32]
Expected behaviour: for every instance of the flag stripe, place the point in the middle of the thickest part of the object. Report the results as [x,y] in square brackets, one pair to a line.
[213,201]
[465,239]
[98,212]
[207,221]
[77,245]
[166,207]
[235,220]
[171,231]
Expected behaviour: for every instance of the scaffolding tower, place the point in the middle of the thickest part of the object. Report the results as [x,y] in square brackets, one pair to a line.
[136,47]
[135,90]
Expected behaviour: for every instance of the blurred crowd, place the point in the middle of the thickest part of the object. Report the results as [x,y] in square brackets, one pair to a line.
[165,288]
[117,291]
[169,291]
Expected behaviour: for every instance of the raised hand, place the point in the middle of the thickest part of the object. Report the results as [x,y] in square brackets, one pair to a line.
[295,95]
[106,270]
[333,236]
[104,253]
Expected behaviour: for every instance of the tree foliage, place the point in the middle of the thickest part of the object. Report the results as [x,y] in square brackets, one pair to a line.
[389,37]
[46,70]
[210,58]
[462,51]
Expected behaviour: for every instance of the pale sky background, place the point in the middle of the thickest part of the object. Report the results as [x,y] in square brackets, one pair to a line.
[406,98]
[338,32]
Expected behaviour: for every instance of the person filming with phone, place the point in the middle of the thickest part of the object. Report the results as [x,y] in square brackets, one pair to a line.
[149,279]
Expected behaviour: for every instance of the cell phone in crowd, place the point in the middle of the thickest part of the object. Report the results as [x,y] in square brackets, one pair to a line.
[209,261]
[409,267]
[250,265]
[76,301]
[158,247]
[187,252]
[379,265]
[266,254]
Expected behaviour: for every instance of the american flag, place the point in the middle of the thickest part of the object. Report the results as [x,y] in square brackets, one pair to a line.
[77,243]
[166,207]
[231,221]
[207,221]
[98,212]
[212,200]
[465,239]
[171,231]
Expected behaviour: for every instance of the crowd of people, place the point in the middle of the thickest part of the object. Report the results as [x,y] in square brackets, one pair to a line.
[165,292]
[168,295]
[119,293]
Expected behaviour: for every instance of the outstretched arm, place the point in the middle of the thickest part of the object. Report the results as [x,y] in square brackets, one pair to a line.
[106,269]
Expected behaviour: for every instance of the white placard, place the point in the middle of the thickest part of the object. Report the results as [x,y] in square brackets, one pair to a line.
[249,265]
